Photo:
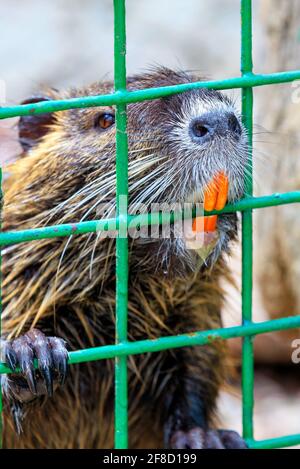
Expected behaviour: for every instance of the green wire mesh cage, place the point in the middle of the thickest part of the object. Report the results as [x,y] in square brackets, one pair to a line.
[249,329]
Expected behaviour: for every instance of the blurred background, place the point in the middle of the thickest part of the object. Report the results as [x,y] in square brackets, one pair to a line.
[62,43]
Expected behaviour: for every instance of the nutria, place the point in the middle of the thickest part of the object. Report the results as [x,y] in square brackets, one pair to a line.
[62,291]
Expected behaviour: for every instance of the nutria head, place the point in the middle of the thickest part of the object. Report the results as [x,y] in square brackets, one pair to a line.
[176,145]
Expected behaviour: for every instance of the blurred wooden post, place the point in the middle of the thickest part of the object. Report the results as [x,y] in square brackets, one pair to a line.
[278,244]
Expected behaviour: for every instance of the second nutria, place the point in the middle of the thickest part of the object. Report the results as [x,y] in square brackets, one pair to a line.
[58,290]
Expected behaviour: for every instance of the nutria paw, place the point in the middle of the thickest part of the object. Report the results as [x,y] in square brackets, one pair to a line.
[52,357]
[197,438]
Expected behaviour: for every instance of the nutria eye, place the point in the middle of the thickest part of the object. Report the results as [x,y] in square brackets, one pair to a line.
[104,120]
[199,130]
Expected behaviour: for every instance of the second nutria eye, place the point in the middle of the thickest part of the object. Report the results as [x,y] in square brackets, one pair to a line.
[104,120]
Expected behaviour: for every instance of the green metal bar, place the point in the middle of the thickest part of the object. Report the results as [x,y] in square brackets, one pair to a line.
[184,340]
[14,237]
[121,385]
[122,96]
[247,262]
[280,442]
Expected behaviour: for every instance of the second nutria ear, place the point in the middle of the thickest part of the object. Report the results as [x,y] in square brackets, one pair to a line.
[33,127]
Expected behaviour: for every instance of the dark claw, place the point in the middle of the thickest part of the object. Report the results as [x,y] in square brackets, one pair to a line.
[10,357]
[42,350]
[60,357]
[63,370]
[30,378]
[17,413]
[47,375]
[25,357]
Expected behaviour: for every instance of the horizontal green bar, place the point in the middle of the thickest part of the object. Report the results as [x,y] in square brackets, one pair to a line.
[14,237]
[123,97]
[280,442]
[184,340]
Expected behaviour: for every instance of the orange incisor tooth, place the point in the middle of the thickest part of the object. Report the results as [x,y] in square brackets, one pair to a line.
[210,195]
[198,224]
[222,184]
[208,224]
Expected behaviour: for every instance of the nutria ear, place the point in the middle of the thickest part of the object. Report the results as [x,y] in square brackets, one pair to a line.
[35,126]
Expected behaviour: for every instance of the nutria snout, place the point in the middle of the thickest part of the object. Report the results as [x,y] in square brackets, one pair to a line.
[213,125]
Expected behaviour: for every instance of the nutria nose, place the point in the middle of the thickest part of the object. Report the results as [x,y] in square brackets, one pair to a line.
[204,128]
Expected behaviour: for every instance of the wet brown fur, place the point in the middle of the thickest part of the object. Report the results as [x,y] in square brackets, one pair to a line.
[67,298]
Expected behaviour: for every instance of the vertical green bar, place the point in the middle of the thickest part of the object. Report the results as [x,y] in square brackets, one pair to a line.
[247,111]
[121,399]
